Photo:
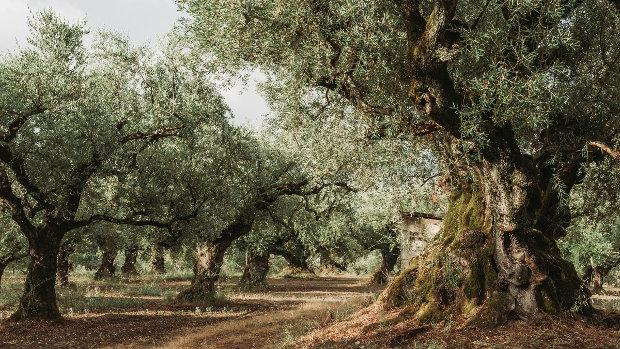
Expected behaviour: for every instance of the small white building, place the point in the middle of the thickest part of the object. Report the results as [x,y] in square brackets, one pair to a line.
[417,230]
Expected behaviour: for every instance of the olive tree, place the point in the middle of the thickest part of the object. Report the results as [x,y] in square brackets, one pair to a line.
[516,96]
[73,123]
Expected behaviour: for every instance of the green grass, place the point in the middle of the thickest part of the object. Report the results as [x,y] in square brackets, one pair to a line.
[89,295]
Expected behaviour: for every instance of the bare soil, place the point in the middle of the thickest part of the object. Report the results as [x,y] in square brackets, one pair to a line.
[374,328]
[269,319]
[297,313]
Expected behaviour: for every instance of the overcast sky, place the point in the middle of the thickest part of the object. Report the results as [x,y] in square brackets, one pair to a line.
[143,21]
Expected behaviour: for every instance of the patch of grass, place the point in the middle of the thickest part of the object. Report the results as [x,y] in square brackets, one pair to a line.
[293,332]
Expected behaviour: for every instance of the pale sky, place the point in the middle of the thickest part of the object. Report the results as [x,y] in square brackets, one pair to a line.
[143,21]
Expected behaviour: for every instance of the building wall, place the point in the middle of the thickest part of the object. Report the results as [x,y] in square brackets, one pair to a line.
[416,232]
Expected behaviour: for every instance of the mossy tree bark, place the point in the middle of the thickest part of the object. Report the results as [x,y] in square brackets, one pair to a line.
[497,257]
[255,270]
[131,257]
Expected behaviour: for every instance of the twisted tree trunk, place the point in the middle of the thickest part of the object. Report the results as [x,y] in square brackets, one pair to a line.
[131,257]
[39,298]
[496,258]
[159,265]
[389,258]
[64,265]
[255,271]
[210,257]
[109,251]
[209,260]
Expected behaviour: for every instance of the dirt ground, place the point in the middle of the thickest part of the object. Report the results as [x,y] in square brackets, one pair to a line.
[374,328]
[271,319]
[292,313]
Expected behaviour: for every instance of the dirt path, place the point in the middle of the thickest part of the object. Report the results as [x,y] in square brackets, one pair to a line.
[298,306]
[270,319]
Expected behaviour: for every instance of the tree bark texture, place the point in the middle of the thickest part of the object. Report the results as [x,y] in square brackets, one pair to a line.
[64,265]
[496,259]
[39,298]
[159,265]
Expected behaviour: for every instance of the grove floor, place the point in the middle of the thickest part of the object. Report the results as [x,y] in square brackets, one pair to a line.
[132,314]
[329,312]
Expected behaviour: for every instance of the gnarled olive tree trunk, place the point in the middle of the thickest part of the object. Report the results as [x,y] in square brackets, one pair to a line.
[594,275]
[389,258]
[255,270]
[497,257]
[210,257]
[39,298]
[159,265]
[64,265]
[109,251]
[131,258]
[209,260]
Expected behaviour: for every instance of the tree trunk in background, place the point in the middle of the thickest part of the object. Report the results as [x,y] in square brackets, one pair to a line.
[327,263]
[210,257]
[109,251]
[158,259]
[2,269]
[594,275]
[131,257]
[39,298]
[255,271]
[209,260]
[389,257]
[491,262]
[64,266]
[295,255]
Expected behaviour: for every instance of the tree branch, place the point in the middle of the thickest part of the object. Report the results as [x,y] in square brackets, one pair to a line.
[614,153]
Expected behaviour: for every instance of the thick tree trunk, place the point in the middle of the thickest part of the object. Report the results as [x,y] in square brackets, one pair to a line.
[64,265]
[389,258]
[255,271]
[38,301]
[209,260]
[492,262]
[109,251]
[159,265]
[131,257]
